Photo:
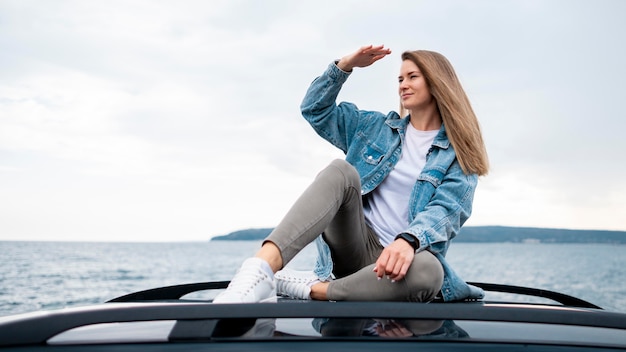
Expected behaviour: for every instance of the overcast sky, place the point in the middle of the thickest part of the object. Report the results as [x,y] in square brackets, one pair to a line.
[179,120]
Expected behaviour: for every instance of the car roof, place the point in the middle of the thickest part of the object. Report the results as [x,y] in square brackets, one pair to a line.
[173,323]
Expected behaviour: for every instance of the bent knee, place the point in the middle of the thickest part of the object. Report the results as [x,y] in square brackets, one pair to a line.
[425,277]
[346,169]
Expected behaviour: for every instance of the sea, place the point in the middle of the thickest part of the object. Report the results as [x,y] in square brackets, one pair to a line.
[37,276]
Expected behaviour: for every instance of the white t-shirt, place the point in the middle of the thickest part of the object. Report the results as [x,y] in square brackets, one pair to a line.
[387,208]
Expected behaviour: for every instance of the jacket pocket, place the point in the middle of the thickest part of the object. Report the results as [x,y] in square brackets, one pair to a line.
[372,155]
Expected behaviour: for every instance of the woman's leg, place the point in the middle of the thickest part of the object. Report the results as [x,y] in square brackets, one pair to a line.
[332,204]
[421,284]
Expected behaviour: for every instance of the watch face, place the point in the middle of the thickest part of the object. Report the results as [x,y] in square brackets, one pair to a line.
[410,239]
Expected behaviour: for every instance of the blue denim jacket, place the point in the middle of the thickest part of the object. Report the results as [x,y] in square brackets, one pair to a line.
[441,200]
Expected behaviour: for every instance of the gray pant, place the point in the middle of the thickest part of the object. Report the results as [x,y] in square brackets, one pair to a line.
[332,205]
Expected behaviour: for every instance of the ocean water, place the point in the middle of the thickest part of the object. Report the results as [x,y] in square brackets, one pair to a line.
[52,275]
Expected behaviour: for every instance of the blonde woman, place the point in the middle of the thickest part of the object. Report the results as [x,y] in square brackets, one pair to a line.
[387,213]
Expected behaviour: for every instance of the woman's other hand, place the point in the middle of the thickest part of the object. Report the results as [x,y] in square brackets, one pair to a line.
[392,329]
[363,57]
[395,260]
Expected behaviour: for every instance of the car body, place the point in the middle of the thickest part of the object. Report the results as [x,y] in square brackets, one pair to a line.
[161,319]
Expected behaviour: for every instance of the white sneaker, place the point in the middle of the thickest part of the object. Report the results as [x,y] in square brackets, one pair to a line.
[251,284]
[294,283]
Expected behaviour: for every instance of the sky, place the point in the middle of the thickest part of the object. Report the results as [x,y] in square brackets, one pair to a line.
[129,120]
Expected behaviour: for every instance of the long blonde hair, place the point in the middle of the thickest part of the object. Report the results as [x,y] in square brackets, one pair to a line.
[455,110]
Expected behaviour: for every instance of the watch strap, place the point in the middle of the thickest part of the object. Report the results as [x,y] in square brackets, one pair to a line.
[412,240]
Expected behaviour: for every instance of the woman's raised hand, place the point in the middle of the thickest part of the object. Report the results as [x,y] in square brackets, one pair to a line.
[363,57]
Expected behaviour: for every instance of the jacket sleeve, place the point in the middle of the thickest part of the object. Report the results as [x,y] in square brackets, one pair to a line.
[335,123]
[443,214]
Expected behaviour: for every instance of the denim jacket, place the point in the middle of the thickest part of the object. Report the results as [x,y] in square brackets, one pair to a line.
[441,199]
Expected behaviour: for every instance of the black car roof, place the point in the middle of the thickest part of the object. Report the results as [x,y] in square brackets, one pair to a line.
[205,324]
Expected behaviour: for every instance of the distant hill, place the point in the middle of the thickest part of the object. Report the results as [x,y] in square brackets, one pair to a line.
[542,235]
[245,235]
[486,234]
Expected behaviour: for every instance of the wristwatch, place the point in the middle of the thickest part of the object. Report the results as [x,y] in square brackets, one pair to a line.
[409,238]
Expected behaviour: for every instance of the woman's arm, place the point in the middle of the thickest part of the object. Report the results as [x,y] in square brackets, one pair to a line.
[336,123]
[438,222]
[444,214]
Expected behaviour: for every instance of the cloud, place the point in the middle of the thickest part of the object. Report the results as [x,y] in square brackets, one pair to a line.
[180,120]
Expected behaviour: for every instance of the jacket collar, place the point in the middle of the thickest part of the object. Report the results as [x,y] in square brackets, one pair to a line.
[441,139]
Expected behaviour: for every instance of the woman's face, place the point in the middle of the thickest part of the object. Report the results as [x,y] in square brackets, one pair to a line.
[413,90]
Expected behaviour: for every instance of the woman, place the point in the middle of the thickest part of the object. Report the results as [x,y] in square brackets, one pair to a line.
[388,212]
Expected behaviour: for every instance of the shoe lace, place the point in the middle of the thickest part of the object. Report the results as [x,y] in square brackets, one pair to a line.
[294,286]
[245,281]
